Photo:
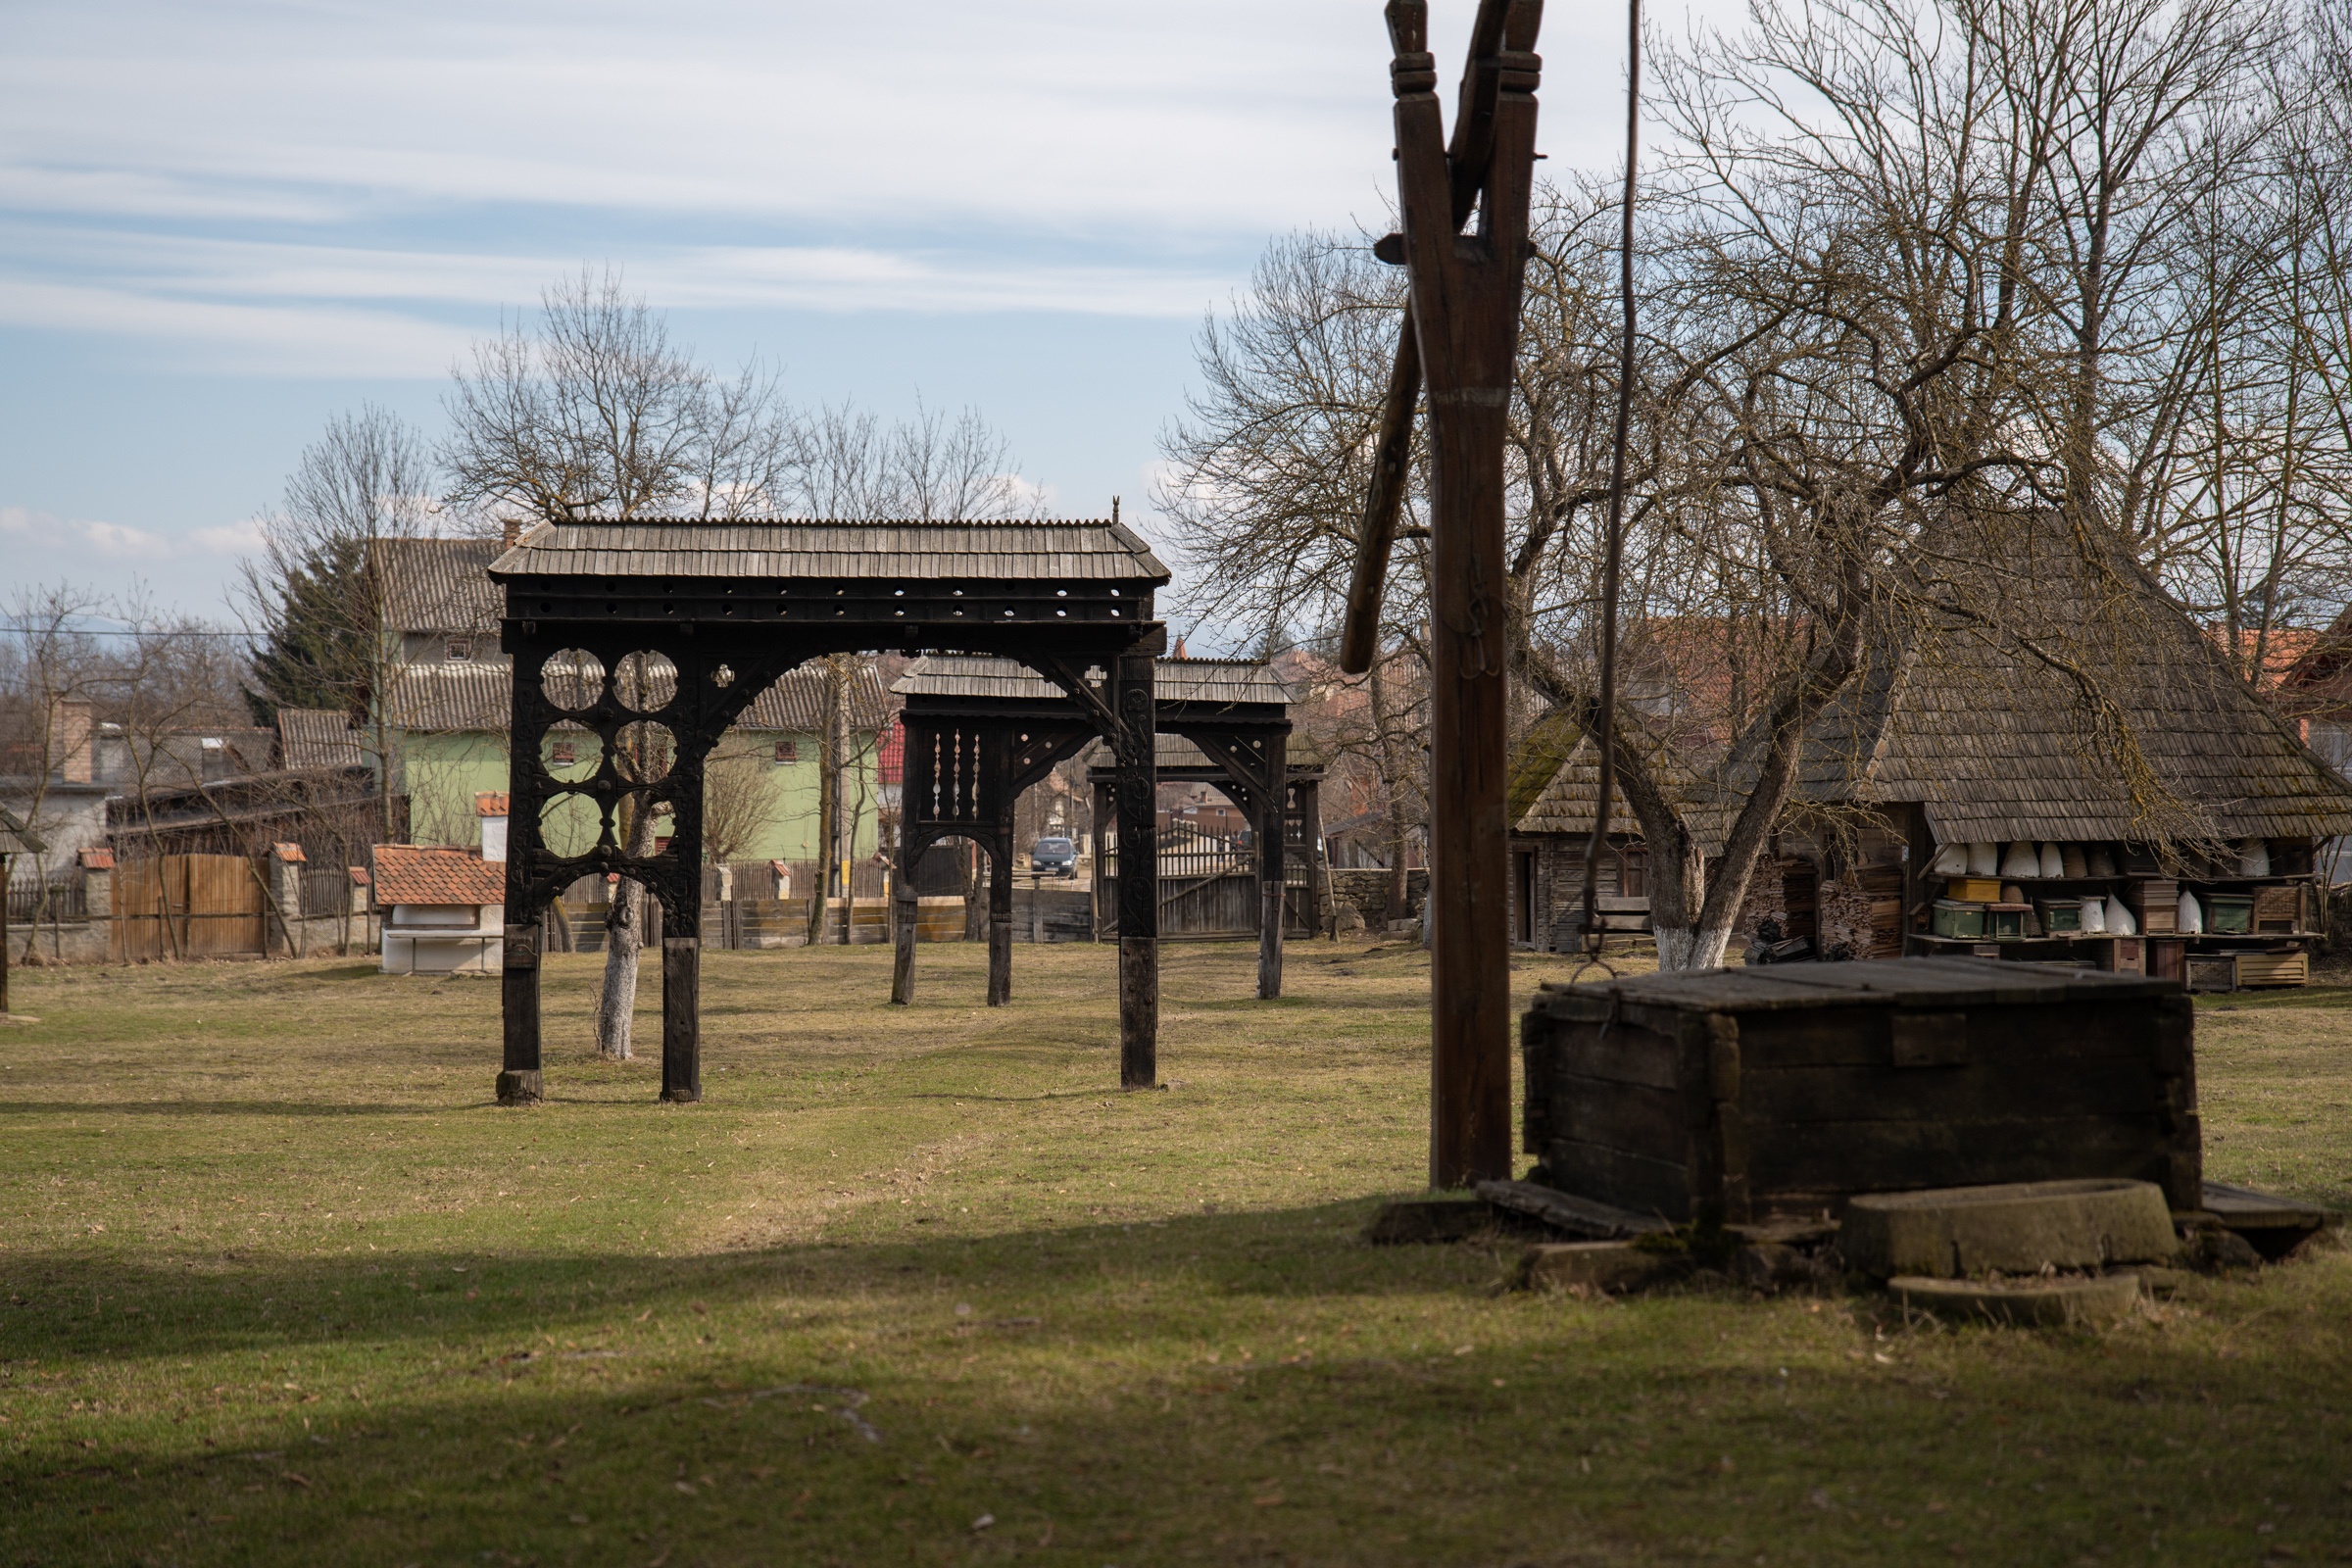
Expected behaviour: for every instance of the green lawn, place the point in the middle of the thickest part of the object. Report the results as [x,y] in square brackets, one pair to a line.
[279,1284]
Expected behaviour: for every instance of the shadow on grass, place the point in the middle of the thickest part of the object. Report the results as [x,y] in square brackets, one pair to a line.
[215,1107]
[1098,1430]
[2316,997]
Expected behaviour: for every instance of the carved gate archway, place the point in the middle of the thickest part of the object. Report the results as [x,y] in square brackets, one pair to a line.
[729,608]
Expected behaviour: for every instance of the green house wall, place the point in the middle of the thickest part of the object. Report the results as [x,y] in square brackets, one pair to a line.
[444,770]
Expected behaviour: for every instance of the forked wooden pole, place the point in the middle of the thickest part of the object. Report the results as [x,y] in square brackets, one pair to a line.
[1465,314]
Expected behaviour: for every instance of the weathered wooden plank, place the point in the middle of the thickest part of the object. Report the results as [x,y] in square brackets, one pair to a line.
[1579,1216]
[1794,1098]
[1627,1180]
[1899,1156]
[1631,1116]
[1619,1054]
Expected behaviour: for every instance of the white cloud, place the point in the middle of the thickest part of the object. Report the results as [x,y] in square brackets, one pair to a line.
[91,537]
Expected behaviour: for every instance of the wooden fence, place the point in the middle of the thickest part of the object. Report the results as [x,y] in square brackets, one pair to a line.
[188,906]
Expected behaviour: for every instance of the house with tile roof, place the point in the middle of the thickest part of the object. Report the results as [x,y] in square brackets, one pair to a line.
[443,909]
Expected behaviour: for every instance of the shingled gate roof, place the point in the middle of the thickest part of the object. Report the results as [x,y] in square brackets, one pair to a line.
[663,547]
[410,873]
[1193,680]
[478,696]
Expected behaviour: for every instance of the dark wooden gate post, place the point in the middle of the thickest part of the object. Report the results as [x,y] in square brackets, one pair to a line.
[1465,316]
[519,1081]
[1104,796]
[999,912]
[682,1020]
[1273,865]
[1139,874]
[905,916]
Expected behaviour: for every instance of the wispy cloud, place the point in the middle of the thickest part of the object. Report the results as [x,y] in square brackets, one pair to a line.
[99,541]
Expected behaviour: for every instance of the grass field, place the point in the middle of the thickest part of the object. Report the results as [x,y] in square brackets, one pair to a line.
[279,1284]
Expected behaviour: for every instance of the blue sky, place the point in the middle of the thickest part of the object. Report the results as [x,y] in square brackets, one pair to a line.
[222,223]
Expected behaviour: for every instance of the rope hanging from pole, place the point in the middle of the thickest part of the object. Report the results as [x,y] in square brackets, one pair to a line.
[1613,541]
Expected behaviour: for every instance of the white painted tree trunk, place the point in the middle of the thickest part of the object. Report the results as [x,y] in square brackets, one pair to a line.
[617,1003]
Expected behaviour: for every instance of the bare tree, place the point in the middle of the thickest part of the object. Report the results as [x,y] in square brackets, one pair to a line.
[314,594]
[594,412]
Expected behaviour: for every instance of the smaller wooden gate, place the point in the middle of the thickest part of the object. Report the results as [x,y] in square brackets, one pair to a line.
[188,906]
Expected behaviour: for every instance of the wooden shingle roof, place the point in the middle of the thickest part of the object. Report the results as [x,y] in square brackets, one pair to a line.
[1101,551]
[1194,680]
[2070,702]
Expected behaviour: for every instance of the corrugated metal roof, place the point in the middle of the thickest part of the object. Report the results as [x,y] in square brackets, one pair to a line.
[1199,680]
[439,585]
[316,737]
[1101,551]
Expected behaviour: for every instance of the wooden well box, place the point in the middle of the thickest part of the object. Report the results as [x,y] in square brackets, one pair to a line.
[1745,1093]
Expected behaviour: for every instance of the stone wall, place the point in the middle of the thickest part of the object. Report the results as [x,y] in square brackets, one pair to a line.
[1368,891]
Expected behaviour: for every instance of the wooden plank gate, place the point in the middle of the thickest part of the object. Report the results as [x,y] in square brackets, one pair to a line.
[188,906]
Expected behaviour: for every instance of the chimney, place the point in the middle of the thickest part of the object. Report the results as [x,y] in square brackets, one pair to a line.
[513,532]
[1180,645]
[69,742]
[492,810]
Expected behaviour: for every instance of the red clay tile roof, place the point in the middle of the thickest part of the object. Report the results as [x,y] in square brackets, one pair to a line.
[289,852]
[98,859]
[490,804]
[405,873]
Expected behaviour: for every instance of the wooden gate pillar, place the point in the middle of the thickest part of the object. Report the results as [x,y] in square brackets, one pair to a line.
[1464,306]
[1104,796]
[1273,865]
[1139,874]
[681,1019]
[905,916]
[519,1081]
[1000,910]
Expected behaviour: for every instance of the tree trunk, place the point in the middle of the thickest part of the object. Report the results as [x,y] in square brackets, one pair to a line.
[845,852]
[828,808]
[624,937]
[1400,886]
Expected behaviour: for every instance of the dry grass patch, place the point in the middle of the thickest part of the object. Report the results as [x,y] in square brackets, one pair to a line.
[278,1285]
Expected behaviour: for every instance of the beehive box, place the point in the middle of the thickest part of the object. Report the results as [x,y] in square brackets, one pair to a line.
[2273,969]
[2230,914]
[1741,1093]
[2279,907]
[2156,902]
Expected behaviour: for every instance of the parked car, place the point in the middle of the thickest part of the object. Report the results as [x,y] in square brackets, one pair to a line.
[1051,855]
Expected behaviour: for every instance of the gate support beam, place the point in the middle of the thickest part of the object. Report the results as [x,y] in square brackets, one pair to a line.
[1273,870]
[681,1019]
[1000,911]
[518,1083]
[1139,874]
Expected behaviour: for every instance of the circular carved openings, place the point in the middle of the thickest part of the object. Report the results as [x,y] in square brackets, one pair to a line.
[569,824]
[645,681]
[574,678]
[643,752]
